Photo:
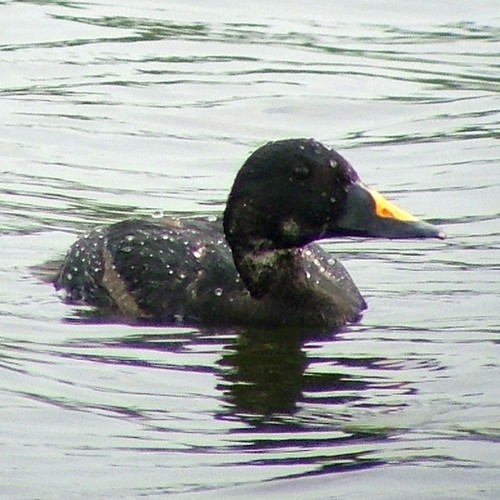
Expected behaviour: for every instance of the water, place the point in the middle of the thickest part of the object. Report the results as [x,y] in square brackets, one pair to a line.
[111,109]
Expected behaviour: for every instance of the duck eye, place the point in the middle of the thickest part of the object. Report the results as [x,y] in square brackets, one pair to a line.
[301,172]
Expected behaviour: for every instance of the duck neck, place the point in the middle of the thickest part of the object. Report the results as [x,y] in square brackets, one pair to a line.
[268,272]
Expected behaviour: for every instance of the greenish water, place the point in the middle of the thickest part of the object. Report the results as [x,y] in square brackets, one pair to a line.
[113,109]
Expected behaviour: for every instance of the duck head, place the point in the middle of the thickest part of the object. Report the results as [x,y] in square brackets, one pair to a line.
[291,192]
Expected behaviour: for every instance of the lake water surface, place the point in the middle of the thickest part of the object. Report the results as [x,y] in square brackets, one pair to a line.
[111,109]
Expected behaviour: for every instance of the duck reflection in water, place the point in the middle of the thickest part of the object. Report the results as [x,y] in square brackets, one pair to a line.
[264,374]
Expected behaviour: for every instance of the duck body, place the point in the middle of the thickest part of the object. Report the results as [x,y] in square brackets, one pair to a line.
[258,265]
[181,271]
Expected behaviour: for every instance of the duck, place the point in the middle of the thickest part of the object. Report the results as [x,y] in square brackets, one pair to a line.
[259,264]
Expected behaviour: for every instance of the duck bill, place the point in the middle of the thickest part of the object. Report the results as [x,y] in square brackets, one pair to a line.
[368,213]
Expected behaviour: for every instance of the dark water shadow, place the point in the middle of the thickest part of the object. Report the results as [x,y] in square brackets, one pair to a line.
[266,383]
[265,376]
[269,381]
[263,373]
